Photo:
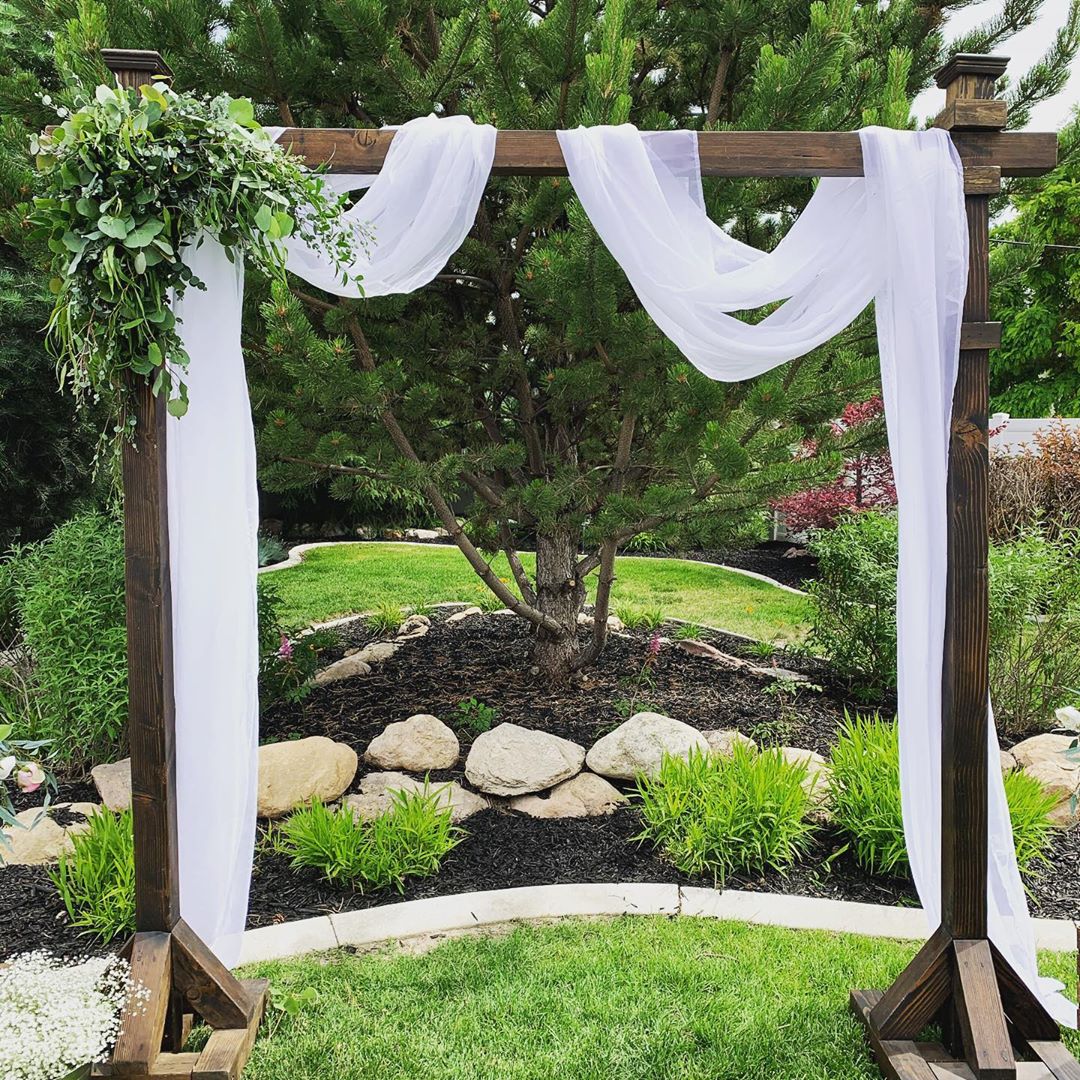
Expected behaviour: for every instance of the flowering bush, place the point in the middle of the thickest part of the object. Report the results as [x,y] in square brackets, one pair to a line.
[19,766]
[130,178]
[287,661]
[58,1016]
[866,481]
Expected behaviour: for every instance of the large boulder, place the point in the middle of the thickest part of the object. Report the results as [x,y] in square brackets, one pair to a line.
[584,795]
[377,796]
[512,760]
[639,745]
[419,744]
[113,783]
[818,773]
[1047,759]
[296,772]
[722,741]
[43,839]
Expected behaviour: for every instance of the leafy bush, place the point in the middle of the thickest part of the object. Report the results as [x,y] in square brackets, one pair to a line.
[854,600]
[1034,628]
[271,550]
[721,815]
[96,882]
[287,661]
[865,799]
[474,716]
[70,600]
[640,619]
[408,841]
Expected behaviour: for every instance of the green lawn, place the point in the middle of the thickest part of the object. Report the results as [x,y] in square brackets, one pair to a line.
[639,998]
[359,577]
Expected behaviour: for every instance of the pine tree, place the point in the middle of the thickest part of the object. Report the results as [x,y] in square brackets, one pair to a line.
[525,388]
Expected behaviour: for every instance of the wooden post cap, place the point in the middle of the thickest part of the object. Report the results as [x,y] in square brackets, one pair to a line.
[971,64]
[135,66]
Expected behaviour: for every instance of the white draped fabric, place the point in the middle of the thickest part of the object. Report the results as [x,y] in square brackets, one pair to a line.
[213,525]
[896,236]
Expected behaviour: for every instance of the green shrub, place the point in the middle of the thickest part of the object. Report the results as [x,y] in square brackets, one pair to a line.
[70,598]
[865,800]
[639,619]
[386,619]
[854,600]
[721,815]
[271,550]
[96,882]
[865,793]
[474,716]
[408,841]
[287,660]
[1034,629]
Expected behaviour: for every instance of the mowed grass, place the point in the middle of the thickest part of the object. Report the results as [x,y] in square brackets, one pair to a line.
[341,580]
[638,998]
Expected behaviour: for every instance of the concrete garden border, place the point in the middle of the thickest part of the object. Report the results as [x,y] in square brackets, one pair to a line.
[539,903]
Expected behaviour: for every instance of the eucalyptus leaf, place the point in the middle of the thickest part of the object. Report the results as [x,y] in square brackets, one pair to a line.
[177,407]
[112,226]
[264,218]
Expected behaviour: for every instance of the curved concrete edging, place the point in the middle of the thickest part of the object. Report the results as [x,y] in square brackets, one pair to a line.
[296,557]
[468,911]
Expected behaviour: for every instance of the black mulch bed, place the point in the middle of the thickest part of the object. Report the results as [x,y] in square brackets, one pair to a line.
[487,658]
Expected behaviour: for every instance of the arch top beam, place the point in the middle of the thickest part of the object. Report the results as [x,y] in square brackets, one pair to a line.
[723,153]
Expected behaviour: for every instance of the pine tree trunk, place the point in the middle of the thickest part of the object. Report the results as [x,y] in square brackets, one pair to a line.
[561,596]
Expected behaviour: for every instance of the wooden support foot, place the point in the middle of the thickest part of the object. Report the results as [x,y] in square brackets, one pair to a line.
[176,977]
[994,1027]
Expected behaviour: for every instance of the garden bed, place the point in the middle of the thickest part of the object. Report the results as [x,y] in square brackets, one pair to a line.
[486,657]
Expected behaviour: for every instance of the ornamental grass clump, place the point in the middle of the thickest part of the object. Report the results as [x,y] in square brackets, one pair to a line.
[719,815]
[96,881]
[57,1016]
[865,800]
[129,178]
[410,840]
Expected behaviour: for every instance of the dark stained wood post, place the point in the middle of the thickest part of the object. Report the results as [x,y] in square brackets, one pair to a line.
[969,105]
[167,959]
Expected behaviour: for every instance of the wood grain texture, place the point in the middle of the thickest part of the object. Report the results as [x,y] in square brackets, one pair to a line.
[982,180]
[722,153]
[210,989]
[980,335]
[1023,1010]
[985,1039]
[968,114]
[139,1042]
[918,993]
[226,1052]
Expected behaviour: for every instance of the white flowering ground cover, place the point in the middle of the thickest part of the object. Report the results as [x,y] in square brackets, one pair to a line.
[57,1015]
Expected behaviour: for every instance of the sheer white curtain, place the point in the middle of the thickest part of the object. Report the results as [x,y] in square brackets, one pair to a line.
[897,236]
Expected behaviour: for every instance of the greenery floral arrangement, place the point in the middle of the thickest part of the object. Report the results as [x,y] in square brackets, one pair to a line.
[19,765]
[131,177]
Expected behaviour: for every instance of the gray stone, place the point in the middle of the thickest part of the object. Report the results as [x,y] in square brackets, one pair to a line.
[113,783]
[426,534]
[347,667]
[1008,762]
[296,772]
[512,760]
[584,795]
[816,783]
[1045,748]
[724,740]
[377,796]
[639,744]
[43,840]
[421,743]
[465,613]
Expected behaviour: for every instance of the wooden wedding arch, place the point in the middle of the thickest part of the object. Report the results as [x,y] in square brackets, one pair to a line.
[993,1026]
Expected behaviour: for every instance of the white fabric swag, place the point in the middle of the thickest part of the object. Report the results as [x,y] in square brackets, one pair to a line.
[897,236]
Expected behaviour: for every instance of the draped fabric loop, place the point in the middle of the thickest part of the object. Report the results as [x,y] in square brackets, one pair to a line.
[896,236]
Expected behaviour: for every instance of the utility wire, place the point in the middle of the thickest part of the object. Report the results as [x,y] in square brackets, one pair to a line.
[1033,243]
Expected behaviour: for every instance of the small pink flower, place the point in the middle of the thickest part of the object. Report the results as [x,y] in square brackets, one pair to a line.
[30,777]
[285,649]
[654,644]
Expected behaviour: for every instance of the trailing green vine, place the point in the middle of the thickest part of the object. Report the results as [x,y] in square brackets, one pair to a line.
[130,178]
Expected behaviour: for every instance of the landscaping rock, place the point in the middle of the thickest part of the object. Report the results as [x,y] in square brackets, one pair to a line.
[512,760]
[1068,717]
[113,783]
[724,741]
[1047,759]
[346,668]
[413,627]
[614,623]
[376,796]
[1008,762]
[639,745]
[465,613]
[421,743]
[45,841]
[294,773]
[377,652]
[426,534]
[816,784]
[584,795]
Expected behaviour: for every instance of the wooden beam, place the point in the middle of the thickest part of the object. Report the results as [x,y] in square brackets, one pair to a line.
[722,153]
